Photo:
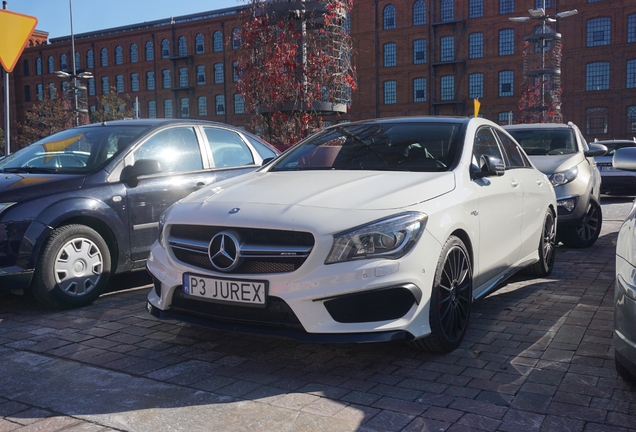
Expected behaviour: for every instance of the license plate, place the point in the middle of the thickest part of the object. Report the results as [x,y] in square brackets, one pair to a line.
[222,290]
[607,168]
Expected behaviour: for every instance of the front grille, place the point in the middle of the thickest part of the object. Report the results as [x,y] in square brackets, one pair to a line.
[278,251]
[276,313]
[371,306]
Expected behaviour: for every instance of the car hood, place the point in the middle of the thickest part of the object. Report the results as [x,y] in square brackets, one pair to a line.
[19,186]
[556,163]
[344,190]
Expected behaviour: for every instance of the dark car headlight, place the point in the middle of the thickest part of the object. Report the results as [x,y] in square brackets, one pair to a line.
[391,238]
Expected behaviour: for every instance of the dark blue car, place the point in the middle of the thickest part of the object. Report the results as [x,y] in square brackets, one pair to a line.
[85,203]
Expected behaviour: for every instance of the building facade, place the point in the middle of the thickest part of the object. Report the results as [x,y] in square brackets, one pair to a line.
[413,57]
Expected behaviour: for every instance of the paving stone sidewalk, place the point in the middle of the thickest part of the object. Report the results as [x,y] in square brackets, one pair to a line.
[538,357]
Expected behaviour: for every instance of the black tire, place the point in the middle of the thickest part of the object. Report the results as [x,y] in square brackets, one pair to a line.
[585,234]
[547,244]
[451,299]
[73,268]
[623,372]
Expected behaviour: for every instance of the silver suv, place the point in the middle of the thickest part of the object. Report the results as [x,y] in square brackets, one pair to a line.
[561,153]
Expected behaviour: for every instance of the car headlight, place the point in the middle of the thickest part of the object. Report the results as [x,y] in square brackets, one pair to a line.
[389,238]
[564,177]
[4,206]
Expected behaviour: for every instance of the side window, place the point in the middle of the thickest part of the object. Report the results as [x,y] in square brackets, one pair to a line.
[228,149]
[515,157]
[263,151]
[176,149]
[485,144]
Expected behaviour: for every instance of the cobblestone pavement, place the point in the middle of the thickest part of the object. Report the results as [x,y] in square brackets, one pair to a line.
[538,356]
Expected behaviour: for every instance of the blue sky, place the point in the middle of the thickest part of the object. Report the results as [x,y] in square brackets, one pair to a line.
[89,15]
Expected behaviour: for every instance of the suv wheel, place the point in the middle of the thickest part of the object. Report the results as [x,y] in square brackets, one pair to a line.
[73,268]
[585,234]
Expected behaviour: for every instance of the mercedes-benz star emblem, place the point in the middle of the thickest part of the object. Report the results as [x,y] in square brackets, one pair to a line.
[225,251]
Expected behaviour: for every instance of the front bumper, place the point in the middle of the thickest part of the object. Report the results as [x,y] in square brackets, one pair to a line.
[625,315]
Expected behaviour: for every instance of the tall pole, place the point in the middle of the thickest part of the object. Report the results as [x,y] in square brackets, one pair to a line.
[7,125]
[74,81]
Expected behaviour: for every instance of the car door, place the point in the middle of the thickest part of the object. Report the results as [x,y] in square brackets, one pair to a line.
[500,215]
[182,171]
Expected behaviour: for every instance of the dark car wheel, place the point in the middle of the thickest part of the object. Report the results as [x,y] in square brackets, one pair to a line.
[544,266]
[623,372]
[73,268]
[451,299]
[585,234]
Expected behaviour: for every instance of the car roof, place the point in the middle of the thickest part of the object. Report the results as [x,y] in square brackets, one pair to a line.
[538,126]
[158,122]
[616,141]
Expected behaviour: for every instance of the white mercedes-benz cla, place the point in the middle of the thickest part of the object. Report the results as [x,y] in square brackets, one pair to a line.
[380,230]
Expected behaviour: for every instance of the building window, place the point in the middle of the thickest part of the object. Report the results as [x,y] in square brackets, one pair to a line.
[26,70]
[447,10]
[390,92]
[597,76]
[202,106]
[631,74]
[38,66]
[419,13]
[90,59]
[596,121]
[504,118]
[134,53]
[165,48]
[104,57]
[419,90]
[476,85]
[447,48]
[236,39]
[183,46]
[27,93]
[506,6]
[506,81]
[217,41]
[150,80]
[167,82]
[52,92]
[598,31]
[218,73]
[183,77]
[631,119]
[389,55]
[419,51]
[389,17]
[64,86]
[134,82]
[219,102]
[119,55]
[200,75]
[77,61]
[119,83]
[506,42]
[40,90]
[235,73]
[239,104]
[63,65]
[105,86]
[538,4]
[152,109]
[150,51]
[51,64]
[185,108]
[631,28]
[448,87]
[476,45]
[475,8]
[199,44]
[91,86]
[167,108]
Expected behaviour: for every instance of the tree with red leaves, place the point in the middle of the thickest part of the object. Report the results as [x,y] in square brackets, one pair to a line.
[294,65]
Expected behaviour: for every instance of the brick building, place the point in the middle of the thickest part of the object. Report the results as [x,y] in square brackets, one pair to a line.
[412,57]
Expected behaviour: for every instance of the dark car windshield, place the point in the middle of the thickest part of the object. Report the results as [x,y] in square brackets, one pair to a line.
[78,150]
[428,147]
[545,141]
[612,146]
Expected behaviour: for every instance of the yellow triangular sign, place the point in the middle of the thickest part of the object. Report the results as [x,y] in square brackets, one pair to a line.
[15,31]
[477,104]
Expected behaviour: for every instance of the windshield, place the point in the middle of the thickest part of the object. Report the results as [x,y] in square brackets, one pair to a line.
[428,147]
[545,141]
[78,150]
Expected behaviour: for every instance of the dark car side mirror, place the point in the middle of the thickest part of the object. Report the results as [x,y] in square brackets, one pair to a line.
[489,166]
[625,159]
[596,150]
[141,167]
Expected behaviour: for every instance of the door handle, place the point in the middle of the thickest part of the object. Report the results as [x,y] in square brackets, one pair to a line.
[199,186]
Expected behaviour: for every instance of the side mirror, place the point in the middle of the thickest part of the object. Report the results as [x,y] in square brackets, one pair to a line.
[267,160]
[596,150]
[141,168]
[489,166]
[625,159]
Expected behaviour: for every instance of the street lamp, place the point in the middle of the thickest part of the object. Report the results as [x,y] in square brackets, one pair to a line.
[541,15]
